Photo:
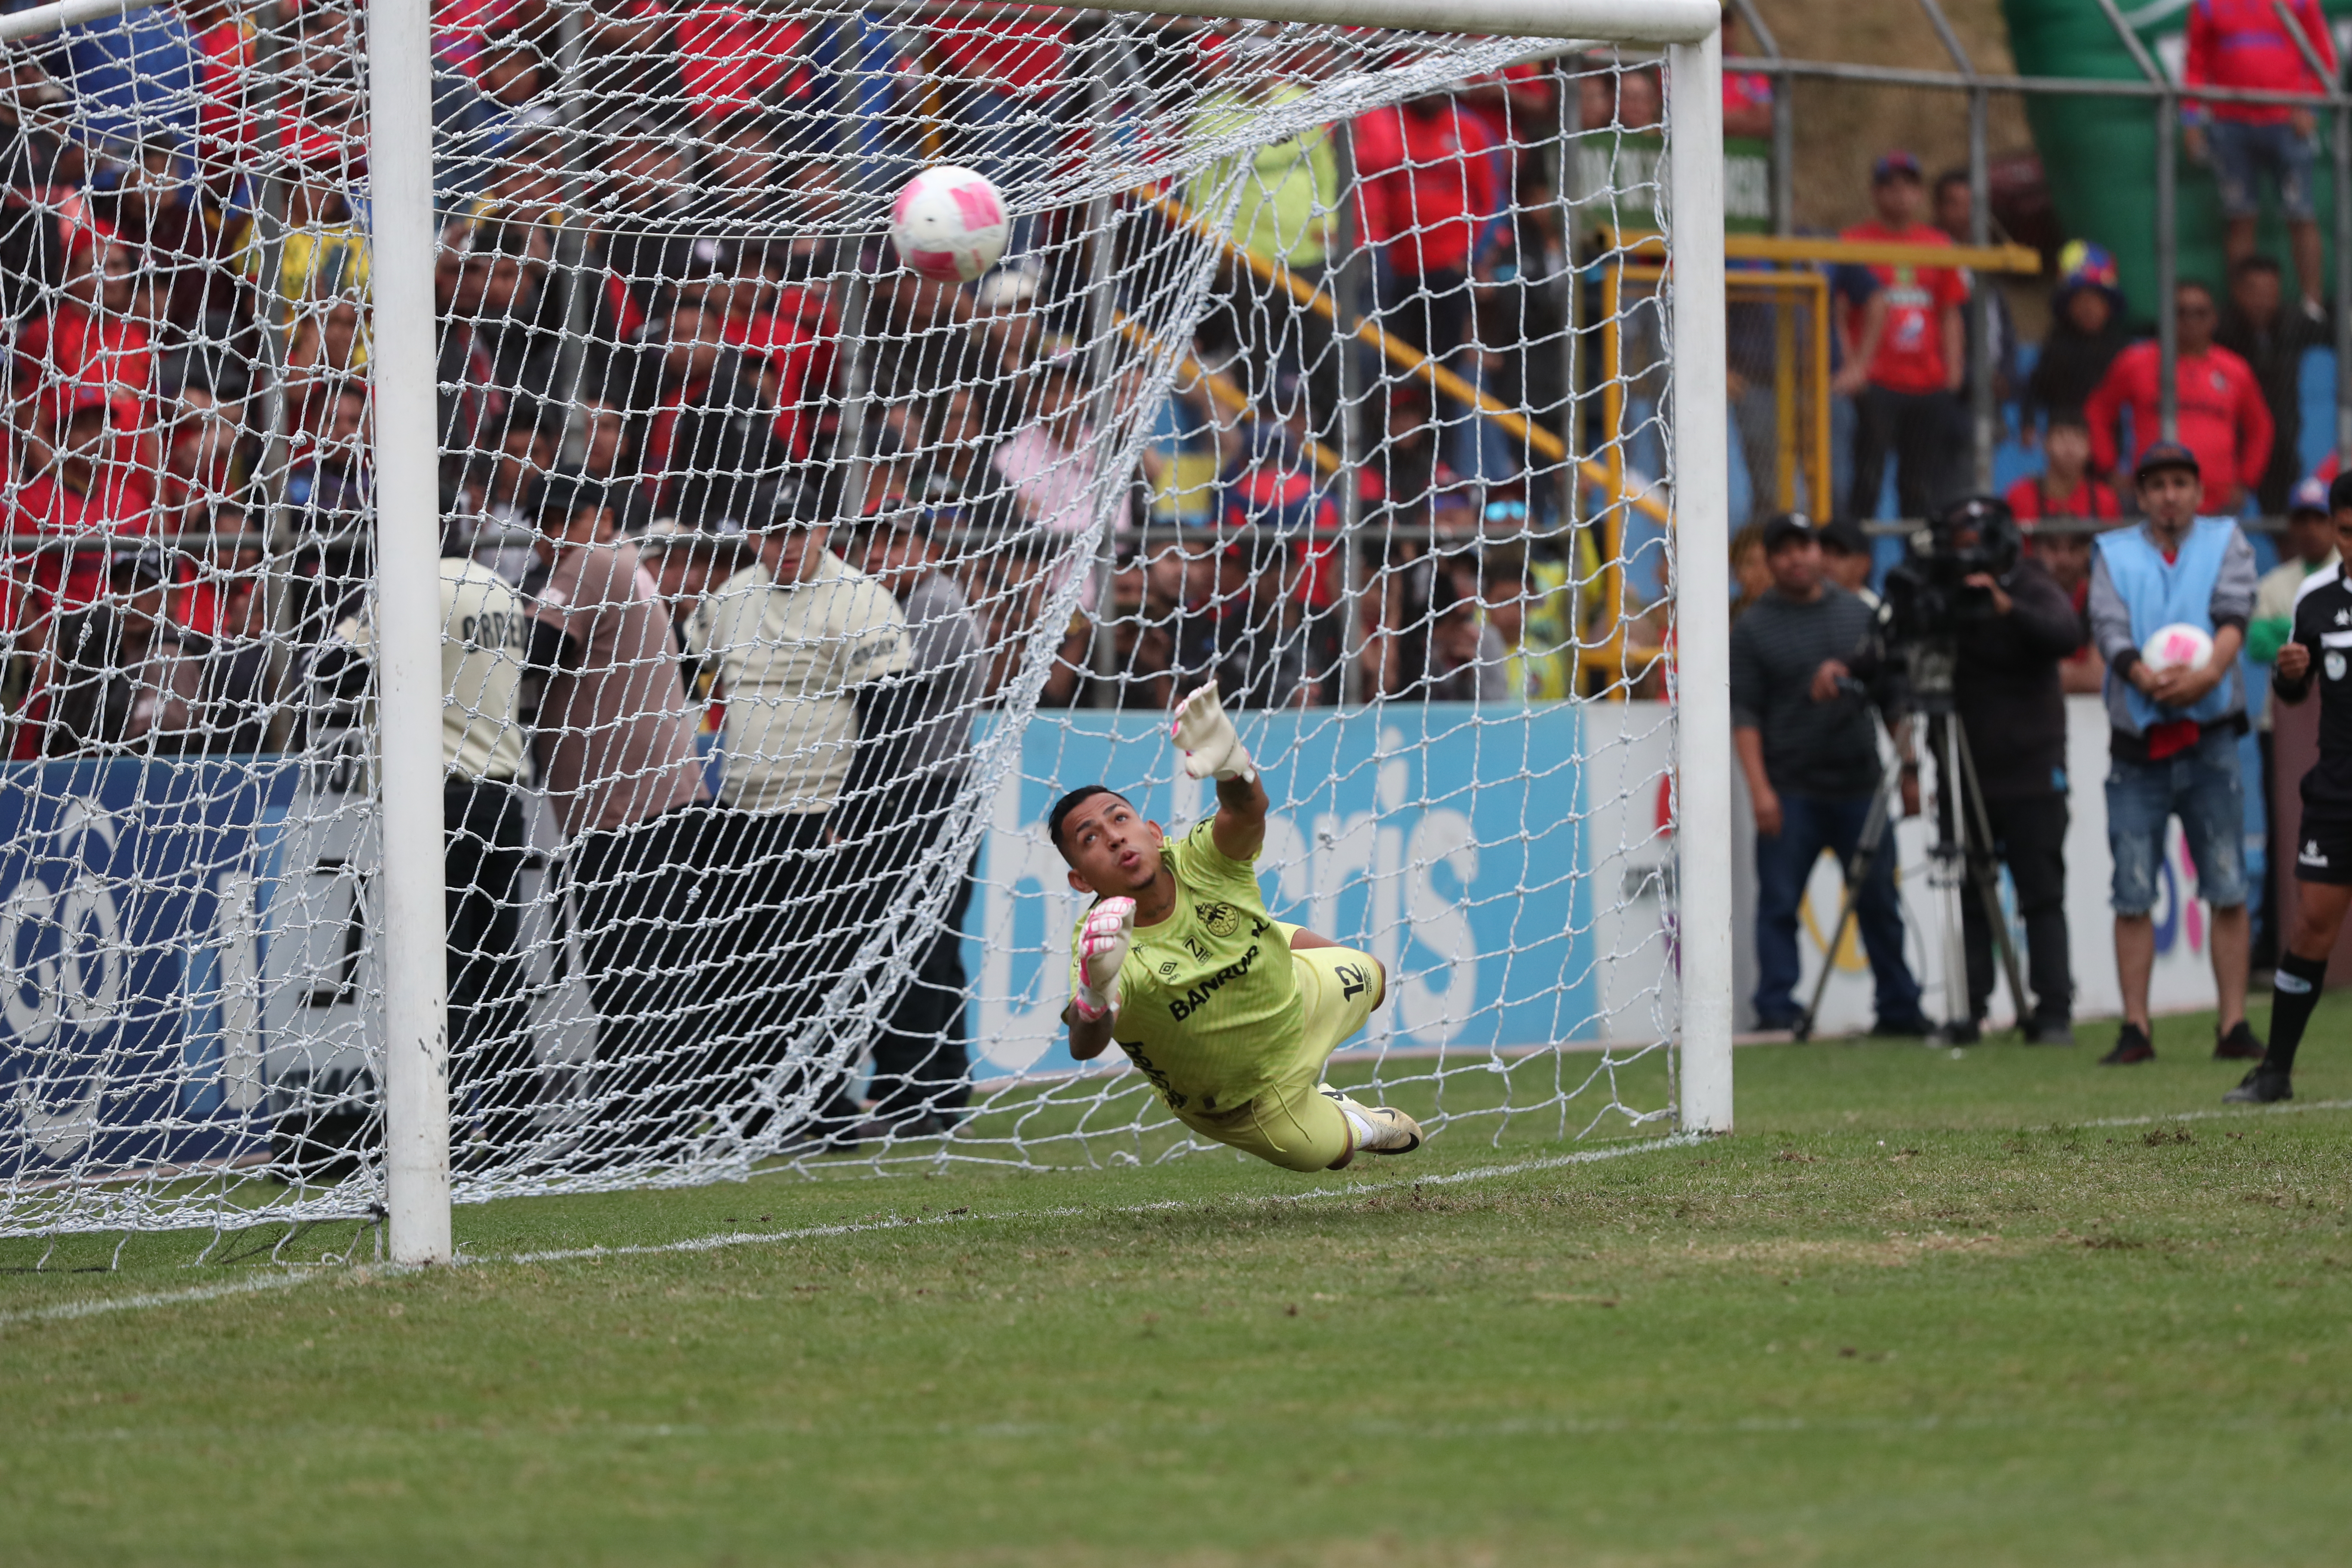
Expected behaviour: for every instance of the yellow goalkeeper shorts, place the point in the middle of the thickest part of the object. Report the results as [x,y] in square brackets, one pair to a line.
[1291,1124]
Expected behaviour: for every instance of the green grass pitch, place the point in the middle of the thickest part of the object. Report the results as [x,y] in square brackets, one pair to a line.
[2002,1308]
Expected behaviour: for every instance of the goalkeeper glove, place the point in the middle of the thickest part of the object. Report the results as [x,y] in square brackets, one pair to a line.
[1103,942]
[1211,747]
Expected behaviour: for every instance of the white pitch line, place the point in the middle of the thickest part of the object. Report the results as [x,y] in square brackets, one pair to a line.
[2288,1108]
[817,1232]
[156,1298]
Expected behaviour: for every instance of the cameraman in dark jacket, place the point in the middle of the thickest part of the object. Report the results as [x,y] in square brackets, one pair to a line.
[2011,708]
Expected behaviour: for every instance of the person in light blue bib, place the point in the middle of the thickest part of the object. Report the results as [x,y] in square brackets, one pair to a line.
[2173,747]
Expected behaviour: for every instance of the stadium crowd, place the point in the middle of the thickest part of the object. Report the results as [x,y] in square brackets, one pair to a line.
[653,333]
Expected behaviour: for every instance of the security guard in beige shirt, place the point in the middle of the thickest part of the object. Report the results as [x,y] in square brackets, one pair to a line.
[796,640]
[485,633]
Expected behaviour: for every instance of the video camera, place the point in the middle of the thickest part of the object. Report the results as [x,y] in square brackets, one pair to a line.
[1927,596]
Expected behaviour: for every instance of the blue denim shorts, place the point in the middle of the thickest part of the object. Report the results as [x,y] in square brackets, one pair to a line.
[2203,787]
[2242,151]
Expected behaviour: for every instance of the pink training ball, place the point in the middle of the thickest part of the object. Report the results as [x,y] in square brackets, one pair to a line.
[949,225]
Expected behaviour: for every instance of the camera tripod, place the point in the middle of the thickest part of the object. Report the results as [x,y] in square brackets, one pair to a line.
[1961,862]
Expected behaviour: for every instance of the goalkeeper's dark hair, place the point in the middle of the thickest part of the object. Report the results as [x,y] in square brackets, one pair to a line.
[1068,804]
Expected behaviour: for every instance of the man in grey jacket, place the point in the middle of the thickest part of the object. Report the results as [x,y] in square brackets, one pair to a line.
[2173,745]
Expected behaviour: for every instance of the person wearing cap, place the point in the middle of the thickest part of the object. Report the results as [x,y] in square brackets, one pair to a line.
[806,652]
[1906,352]
[486,635]
[1845,556]
[1802,729]
[2223,417]
[2087,330]
[2011,705]
[616,741]
[2173,742]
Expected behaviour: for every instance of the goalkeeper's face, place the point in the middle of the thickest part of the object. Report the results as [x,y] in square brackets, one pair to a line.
[1113,850]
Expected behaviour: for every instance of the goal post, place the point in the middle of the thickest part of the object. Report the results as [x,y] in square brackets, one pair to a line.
[1148,447]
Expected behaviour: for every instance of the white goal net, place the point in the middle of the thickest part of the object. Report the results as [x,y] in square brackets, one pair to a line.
[784,590]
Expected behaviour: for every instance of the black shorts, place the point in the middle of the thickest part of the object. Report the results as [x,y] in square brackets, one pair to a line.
[2322,849]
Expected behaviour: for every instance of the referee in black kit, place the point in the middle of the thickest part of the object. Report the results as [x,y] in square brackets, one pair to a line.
[2319,652]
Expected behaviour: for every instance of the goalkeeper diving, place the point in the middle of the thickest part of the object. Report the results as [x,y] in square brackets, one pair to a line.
[1230,1012]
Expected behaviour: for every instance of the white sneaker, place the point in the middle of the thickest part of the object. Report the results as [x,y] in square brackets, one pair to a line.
[1378,1129]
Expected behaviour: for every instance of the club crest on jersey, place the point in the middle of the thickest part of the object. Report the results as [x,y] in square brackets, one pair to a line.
[1221,920]
[2334,663]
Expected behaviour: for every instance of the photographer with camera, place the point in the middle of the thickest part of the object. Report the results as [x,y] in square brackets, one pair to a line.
[2013,627]
[1802,726]
[2176,581]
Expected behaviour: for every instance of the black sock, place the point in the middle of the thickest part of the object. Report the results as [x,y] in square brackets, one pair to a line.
[2294,992]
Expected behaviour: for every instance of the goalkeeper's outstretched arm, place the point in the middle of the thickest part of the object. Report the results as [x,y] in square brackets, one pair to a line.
[1212,749]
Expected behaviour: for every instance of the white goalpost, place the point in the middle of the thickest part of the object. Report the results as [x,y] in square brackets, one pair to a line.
[522,449]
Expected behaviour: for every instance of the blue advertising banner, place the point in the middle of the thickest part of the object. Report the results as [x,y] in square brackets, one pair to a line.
[133,906]
[1450,842]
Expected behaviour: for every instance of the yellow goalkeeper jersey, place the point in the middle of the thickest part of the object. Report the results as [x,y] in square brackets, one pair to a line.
[1209,1009]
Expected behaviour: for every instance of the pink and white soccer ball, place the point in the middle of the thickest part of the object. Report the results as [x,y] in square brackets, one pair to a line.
[949,225]
[2177,646]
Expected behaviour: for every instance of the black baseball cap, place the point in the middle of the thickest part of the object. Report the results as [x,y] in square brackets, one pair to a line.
[2163,454]
[1895,165]
[1787,528]
[1844,535]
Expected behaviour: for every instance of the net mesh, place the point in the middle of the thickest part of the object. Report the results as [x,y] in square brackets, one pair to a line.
[785,589]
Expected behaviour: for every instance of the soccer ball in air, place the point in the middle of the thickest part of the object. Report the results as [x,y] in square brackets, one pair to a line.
[2177,646]
[949,225]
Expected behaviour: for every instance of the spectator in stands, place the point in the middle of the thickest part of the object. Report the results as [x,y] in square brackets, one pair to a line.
[1049,462]
[1531,608]
[227,675]
[1802,728]
[616,741]
[2223,417]
[2258,327]
[1464,656]
[2248,44]
[1905,355]
[2065,487]
[87,494]
[1751,573]
[1955,210]
[1846,559]
[328,481]
[90,337]
[799,641]
[1244,634]
[1746,95]
[32,252]
[2087,332]
[1287,218]
[711,449]
[922,1066]
[2174,749]
[2308,548]
[182,254]
[1428,184]
[112,676]
[1007,70]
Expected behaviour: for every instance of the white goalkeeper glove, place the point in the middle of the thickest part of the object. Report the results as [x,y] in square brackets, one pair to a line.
[1211,747]
[1103,942]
